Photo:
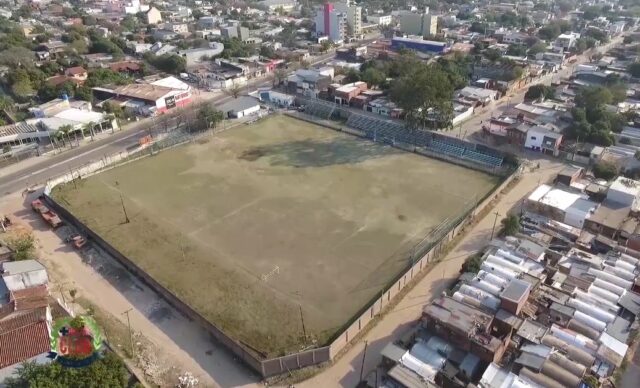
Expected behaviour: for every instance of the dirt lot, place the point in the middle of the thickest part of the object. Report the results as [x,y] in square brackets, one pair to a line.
[261,219]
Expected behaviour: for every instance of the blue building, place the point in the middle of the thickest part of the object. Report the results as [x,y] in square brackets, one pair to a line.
[425,46]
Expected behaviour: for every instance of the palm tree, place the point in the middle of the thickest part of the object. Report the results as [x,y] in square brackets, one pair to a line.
[88,127]
[63,131]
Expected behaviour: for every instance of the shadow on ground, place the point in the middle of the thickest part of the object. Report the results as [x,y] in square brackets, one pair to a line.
[318,153]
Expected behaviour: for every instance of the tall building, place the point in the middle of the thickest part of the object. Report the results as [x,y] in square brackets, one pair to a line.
[337,21]
[331,22]
[354,16]
[423,24]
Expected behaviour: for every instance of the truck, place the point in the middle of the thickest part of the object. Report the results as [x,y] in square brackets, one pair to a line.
[48,215]
[76,240]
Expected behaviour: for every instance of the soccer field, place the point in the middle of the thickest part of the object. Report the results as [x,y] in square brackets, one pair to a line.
[256,222]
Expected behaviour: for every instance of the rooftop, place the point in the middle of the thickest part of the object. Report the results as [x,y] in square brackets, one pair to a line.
[23,336]
[516,290]
[532,331]
[458,314]
[143,91]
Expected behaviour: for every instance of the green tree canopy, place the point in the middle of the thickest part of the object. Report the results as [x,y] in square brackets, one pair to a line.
[537,91]
[108,371]
[605,170]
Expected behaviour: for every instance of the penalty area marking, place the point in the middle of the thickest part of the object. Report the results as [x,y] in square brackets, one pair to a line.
[266,276]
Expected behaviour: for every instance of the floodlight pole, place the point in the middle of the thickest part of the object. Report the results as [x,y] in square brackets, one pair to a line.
[124,210]
[364,355]
[494,225]
[130,333]
[304,330]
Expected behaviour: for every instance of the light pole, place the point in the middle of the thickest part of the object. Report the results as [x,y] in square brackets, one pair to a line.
[495,220]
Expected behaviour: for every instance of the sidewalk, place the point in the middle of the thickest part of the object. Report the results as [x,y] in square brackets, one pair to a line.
[396,323]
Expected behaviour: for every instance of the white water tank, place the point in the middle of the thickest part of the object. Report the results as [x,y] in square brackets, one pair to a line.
[598,301]
[629,259]
[589,321]
[609,286]
[575,339]
[486,286]
[604,294]
[493,279]
[610,278]
[625,265]
[505,263]
[591,310]
[621,272]
[509,256]
[499,270]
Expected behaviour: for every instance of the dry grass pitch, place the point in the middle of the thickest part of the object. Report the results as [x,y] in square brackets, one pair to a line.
[264,218]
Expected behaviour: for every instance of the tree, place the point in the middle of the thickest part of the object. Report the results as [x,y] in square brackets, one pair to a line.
[605,170]
[492,55]
[539,91]
[279,75]
[634,69]
[549,32]
[267,52]
[352,76]
[234,90]
[23,246]
[510,225]
[169,63]
[374,77]
[537,48]
[88,128]
[108,371]
[21,87]
[425,95]
[325,46]
[209,117]
[472,264]
[593,96]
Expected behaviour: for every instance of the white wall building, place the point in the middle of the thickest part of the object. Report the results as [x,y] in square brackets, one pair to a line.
[381,20]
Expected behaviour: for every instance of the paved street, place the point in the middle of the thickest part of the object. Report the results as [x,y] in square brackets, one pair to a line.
[36,171]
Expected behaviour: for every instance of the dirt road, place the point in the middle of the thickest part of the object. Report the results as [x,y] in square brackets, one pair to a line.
[346,372]
[178,345]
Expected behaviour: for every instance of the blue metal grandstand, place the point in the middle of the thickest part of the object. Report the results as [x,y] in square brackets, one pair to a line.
[392,132]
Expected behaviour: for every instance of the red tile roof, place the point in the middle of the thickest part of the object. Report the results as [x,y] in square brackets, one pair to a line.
[75,70]
[125,66]
[30,298]
[24,343]
[60,79]
[23,336]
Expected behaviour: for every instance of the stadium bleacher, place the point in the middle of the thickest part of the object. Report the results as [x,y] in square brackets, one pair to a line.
[390,132]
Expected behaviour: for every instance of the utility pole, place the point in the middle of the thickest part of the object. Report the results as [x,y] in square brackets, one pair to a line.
[494,225]
[124,210]
[364,355]
[130,333]
[75,186]
[304,330]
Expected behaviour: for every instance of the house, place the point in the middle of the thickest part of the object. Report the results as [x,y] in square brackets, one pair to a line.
[479,95]
[569,207]
[178,28]
[77,72]
[164,35]
[309,82]
[277,5]
[127,67]
[383,107]
[242,106]
[566,41]
[277,98]
[465,327]
[194,56]
[148,98]
[542,139]
[343,95]
[153,16]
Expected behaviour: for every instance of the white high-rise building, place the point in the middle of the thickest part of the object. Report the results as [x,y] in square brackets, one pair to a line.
[423,24]
[354,16]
